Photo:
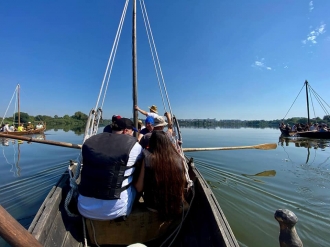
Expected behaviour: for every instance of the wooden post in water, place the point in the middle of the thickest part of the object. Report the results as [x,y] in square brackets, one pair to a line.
[14,233]
[288,234]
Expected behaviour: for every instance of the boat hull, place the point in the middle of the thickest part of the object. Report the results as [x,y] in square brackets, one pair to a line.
[25,132]
[314,134]
[205,224]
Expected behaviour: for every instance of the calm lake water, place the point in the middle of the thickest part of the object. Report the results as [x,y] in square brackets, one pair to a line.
[250,185]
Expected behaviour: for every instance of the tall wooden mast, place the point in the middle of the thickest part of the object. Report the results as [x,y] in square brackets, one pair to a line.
[18,109]
[134,61]
[308,119]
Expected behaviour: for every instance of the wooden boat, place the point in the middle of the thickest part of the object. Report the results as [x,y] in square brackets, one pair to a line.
[203,223]
[308,134]
[27,132]
[314,134]
[24,132]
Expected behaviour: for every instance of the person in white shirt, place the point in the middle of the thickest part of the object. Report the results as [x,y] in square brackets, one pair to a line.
[106,191]
[39,126]
[6,128]
[313,127]
[153,111]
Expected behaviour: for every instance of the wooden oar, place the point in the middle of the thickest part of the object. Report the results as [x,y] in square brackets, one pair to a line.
[266,146]
[30,139]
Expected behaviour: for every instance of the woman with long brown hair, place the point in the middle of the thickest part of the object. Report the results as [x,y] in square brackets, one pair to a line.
[162,177]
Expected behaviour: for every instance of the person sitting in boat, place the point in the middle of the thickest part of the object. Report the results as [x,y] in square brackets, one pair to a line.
[153,111]
[6,128]
[299,128]
[140,125]
[313,127]
[29,126]
[159,124]
[20,127]
[39,126]
[306,128]
[108,128]
[109,160]
[287,127]
[149,127]
[323,128]
[294,128]
[162,177]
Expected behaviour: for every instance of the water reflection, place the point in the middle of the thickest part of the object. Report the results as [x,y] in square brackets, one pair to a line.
[78,130]
[270,173]
[304,142]
[14,162]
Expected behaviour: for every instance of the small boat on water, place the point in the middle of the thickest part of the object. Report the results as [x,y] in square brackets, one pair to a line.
[321,132]
[203,223]
[27,132]
[30,129]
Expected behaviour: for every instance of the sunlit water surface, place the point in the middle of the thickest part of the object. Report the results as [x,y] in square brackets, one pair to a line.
[250,185]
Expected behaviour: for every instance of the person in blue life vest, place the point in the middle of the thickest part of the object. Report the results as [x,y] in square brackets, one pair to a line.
[109,159]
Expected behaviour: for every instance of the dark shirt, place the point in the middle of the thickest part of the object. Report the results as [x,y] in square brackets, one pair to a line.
[144,142]
[144,131]
[107,129]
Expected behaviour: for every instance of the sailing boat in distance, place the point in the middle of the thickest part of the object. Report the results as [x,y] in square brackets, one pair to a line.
[19,129]
[316,130]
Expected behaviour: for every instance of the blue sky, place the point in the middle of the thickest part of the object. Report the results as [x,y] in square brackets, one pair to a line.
[229,59]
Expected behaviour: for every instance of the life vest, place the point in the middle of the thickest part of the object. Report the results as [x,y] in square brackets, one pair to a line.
[105,158]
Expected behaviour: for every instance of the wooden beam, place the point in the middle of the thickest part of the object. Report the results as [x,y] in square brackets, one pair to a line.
[14,233]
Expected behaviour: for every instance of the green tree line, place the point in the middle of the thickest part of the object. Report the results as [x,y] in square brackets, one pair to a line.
[79,118]
[233,123]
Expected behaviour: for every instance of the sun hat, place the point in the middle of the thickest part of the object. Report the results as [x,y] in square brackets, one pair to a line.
[153,108]
[150,120]
[140,122]
[160,121]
